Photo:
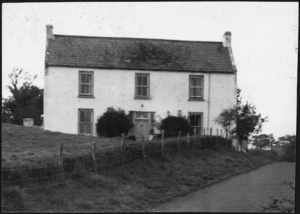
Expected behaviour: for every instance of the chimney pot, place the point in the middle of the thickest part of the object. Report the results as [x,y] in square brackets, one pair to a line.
[49,31]
[227,39]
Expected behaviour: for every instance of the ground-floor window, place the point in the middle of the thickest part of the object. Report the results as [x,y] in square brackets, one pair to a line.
[195,120]
[85,121]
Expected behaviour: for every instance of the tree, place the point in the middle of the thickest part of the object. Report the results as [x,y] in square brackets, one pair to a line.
[113,123]
[26,101]
[227,119]
[245,118]
[288,142]
[263,140]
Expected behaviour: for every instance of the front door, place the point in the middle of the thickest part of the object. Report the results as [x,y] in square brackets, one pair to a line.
[142,128]
[142,124]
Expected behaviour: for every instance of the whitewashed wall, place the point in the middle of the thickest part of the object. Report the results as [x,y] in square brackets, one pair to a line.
[169,91]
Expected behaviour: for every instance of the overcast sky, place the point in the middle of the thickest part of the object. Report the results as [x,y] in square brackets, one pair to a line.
[264,41]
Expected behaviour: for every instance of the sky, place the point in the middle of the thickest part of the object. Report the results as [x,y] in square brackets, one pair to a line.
[264,41]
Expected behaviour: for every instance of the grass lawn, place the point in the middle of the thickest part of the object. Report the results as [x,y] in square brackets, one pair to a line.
[32,146]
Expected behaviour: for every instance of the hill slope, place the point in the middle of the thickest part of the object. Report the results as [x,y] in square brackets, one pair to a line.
[31,145]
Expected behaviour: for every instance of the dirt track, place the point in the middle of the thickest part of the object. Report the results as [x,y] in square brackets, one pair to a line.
[243,193]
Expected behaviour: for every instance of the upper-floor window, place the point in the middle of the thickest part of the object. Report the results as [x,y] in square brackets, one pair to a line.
[86,83]
[142,85]
[196,87]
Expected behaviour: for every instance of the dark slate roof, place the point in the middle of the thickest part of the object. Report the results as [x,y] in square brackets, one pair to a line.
[138,54]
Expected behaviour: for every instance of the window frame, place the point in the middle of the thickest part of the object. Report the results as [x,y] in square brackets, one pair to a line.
[200,127]
[91,122]
[80,94]
[136,96]
[142,118]
[201,87]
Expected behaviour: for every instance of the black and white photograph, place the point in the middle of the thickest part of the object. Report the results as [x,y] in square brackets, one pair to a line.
[149,107]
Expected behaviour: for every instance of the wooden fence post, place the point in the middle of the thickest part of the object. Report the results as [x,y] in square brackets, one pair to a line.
[61,162]
[218,142]
[123,147]
[210,131]
[188,140]
[221,135]
[143,147]
[178,141]
[122,142]
[94,156]
[203,131]
[196,140]
[162,142]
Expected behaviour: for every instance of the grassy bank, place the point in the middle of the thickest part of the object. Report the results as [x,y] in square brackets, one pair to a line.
[32,146]
[138,186]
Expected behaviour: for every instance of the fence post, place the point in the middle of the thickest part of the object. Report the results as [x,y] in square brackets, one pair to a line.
[221,135]
[61,162]
[188,140]
[123,147]
[196,141]
[122,142]
[218,142]
[203,131]
[210,131]
[94,156]
[178,141]
[162,143]
[143,147]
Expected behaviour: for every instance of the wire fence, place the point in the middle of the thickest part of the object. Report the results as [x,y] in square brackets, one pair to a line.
[70,164]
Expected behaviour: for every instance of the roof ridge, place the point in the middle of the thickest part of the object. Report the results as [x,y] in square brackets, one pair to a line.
[134,38]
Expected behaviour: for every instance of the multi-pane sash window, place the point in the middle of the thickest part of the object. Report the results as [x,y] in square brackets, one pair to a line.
[195,120]
[85,121]
[142,85]
[196,86]
[86,83]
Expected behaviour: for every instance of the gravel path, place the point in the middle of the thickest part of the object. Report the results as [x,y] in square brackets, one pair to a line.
[243,193]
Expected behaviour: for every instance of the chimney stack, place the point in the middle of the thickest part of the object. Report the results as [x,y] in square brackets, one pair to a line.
[49,31]
[227,39]
[227,43]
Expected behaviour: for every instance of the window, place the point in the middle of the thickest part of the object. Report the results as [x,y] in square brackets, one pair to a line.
[142,86]
[195,120]
[196,87]
[86,83]
[141,115]
[85,121]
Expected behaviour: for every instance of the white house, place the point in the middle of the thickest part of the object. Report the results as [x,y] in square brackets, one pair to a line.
[148,77]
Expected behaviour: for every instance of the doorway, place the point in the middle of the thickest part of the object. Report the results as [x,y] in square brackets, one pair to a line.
[142,124]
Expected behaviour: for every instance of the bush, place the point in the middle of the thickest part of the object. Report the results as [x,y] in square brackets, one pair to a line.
[172,125]
[290,152]
[113,123]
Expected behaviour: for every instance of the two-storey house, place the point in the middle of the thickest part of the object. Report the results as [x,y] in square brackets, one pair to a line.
[149,77]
